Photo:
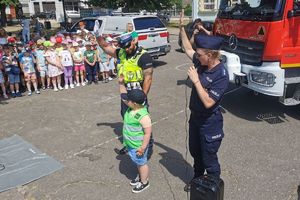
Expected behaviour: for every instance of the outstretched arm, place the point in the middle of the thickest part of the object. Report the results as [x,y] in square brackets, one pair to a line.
[106,47]
[189,51]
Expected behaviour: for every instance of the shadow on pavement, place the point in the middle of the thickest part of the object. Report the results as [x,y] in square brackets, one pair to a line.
[127,167]
[186,82]
[179,50]
[116,126]
[158,63]
[245,104]
[175,163]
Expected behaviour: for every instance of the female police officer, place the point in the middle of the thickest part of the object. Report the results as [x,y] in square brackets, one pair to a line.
[210,81]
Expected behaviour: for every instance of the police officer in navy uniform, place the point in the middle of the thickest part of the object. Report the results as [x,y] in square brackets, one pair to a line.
[210,81]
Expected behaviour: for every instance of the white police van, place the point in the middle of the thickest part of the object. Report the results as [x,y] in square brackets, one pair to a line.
[152,33]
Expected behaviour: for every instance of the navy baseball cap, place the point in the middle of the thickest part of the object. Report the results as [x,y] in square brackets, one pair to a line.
[136,96]
[208,42]
[125,40]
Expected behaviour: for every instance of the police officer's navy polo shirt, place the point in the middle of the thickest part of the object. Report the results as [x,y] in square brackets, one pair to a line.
[215,81]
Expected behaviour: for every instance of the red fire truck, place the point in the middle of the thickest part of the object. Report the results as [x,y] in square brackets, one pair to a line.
[262,45]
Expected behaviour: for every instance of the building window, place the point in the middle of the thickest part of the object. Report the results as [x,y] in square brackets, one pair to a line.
[72,6]
[207,5]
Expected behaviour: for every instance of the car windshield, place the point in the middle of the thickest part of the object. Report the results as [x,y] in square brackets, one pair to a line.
[147,23]
[255,10]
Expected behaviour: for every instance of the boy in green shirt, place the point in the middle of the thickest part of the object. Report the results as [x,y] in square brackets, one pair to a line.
[137,130]
[90,59]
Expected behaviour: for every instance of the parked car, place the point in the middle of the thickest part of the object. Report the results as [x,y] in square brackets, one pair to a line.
[153,34]
[72,14]
[45,15]
[164,17]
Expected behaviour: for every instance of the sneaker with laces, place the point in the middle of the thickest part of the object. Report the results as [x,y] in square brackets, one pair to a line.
[71,86]
[13,95]
[29,93]
[5,96]
[110,78]
[78,84]
[66,87]
[37,92]
[83,83]
[135,181]
[60,88]
[55,89]
[44,88]
[140,187]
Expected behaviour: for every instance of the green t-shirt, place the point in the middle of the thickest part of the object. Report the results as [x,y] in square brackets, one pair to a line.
[133,34]
[89,55]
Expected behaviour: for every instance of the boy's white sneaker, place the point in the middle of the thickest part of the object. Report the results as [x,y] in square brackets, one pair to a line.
[66,87]
[60,88]
[83,84]
[110,78]
[55,89]
[140,187]
[71,86]
[37,92]
[78,84]
[29,93]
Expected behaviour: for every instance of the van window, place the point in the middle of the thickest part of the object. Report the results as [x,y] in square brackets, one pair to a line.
[89,24]
[147,22]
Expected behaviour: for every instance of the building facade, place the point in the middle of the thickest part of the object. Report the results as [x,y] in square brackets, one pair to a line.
[211,5]
[55,7]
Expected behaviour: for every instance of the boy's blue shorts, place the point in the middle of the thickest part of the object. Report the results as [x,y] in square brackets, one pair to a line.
[139,160]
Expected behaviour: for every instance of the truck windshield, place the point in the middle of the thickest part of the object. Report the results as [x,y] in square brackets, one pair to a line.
[253,10]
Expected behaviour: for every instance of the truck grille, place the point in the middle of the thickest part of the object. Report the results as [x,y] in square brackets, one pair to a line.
[250,52]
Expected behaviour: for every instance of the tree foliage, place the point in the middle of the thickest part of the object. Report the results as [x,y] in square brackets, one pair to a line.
[9,2]
[3,4]
[134,5]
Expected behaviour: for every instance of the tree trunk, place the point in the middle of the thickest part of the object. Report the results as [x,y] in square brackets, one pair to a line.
[3,15]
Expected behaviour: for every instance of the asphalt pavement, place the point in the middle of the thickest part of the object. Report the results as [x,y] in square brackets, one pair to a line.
[81,128]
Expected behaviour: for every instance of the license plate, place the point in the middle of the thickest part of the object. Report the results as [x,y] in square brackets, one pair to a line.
[152,35]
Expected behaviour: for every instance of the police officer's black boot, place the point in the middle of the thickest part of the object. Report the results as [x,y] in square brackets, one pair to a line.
[123,151]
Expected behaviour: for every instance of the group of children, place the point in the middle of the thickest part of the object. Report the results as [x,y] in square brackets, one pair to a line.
[73,60]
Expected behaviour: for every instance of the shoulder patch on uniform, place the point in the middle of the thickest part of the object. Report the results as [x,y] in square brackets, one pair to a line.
[137,115]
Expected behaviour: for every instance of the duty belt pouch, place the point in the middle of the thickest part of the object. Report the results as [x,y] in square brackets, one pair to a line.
[207,188]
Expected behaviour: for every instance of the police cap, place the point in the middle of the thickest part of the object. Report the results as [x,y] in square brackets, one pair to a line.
[208,42]
[125,40]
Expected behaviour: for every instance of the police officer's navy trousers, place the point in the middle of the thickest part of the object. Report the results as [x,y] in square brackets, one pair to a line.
[203,144]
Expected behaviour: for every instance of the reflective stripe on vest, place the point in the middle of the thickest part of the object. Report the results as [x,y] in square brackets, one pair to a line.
[133,138]
[129,128]
[133,132]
